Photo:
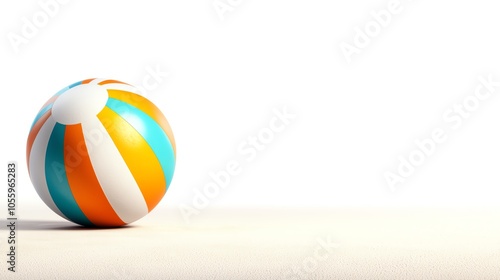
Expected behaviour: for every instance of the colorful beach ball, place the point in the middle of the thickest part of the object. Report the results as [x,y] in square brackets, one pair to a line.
[99,154]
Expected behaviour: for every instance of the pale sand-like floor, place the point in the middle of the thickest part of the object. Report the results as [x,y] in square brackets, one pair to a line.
[362,243]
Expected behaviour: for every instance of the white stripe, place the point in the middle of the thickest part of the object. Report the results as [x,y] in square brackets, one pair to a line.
[113,174]
[96,81]
[123,87]
[37,164]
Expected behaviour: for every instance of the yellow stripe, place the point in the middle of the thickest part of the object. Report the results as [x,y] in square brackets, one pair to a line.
[147,107]
[138,155]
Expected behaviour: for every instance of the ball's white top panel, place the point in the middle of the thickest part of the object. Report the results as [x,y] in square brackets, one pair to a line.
[79,104]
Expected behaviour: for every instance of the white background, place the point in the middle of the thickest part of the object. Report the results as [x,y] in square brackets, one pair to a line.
[226,76]
[352,120]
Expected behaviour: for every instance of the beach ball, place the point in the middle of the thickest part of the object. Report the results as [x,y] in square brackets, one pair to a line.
[99,154]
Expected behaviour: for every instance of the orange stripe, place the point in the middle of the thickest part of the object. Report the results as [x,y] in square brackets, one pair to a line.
[87,81]
[138,155]
[147,107]
[83,181]
[111,82]
[33,133]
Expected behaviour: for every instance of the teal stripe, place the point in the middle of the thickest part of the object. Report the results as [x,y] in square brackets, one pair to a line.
[151,131]
[57,181]
[48,107]
[64,89]
[75,84]
[40,114]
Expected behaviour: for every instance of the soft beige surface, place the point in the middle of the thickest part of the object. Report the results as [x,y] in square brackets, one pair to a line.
[264,244]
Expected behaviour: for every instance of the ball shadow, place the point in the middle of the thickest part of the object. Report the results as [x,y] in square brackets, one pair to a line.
[58,225]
